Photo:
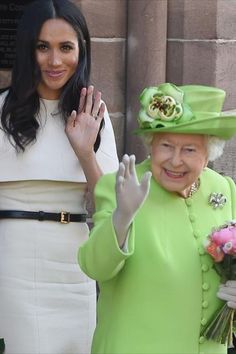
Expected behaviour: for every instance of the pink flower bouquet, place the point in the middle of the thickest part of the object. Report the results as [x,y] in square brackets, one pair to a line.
[221,246]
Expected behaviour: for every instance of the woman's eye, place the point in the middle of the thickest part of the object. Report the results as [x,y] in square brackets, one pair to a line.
[66,48]
[190,150]
[165,145]
[42,47]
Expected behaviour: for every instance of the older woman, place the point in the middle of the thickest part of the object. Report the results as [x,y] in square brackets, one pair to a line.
[158,286]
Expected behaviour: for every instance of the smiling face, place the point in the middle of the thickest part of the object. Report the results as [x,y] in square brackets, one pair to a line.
[177,160]
[57,55]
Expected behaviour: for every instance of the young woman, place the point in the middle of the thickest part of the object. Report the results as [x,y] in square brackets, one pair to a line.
[47,304]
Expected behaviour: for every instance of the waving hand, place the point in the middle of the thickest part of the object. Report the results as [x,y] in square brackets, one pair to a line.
[130,196]
[82,126]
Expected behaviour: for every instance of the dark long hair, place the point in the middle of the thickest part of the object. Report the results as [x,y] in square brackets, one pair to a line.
[22,101]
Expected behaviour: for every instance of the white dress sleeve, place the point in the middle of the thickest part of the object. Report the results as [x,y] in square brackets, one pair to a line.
[107,153]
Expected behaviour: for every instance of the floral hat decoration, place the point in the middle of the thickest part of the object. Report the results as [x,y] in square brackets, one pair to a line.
[190,109]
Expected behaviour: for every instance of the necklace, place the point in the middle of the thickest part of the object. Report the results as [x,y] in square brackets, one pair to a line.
[194,187]
[54,113]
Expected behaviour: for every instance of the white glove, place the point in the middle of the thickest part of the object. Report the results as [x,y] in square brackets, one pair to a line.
[130,196]
[227,292]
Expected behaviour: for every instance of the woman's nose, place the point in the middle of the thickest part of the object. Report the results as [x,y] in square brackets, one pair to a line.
[55,58]
[176,159]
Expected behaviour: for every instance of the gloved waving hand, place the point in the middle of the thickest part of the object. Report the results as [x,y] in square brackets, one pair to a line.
[130,196]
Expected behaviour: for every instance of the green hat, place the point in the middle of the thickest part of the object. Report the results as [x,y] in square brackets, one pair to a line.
[190,109]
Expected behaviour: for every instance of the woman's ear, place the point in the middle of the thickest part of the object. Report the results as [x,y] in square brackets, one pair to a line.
[205,165]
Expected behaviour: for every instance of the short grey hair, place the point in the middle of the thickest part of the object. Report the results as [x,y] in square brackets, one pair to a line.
[215,145]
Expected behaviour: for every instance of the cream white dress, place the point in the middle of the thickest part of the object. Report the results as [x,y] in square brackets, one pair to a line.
[47,304]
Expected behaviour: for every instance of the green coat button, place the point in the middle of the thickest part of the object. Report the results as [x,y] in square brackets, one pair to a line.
[196,233]
[205,267]
[201,339]
[188,202]
[201,251]
[205,304]
[192,217]
[205,286]
[203,321]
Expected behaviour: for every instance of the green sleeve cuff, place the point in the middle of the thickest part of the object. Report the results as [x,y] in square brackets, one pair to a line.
[100,257]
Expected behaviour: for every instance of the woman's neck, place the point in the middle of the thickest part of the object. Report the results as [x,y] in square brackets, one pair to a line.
[188,192]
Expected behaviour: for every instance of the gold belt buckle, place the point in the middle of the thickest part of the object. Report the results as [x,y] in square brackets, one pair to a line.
[65,217]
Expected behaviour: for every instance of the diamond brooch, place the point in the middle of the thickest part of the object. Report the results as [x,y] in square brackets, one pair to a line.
[217,200]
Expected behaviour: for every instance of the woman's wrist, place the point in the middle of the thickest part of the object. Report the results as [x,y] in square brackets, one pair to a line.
[86,156]
[91,169]
[121,223]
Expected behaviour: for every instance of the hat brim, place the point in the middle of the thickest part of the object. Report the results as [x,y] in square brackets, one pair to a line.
[223,126]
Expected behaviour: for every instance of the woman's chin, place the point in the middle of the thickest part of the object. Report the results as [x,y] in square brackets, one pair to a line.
[175,187]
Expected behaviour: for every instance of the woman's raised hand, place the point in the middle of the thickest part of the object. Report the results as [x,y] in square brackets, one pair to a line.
[130,196]
[83,126]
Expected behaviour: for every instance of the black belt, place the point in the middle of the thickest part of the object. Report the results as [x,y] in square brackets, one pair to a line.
[64,217]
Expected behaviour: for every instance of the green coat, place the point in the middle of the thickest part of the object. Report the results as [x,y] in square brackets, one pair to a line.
[157,297]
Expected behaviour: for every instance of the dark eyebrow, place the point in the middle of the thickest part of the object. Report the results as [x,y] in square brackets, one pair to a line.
[67,42]
[61,43]
[41,40]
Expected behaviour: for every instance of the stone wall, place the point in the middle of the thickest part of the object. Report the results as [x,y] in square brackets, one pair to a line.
[202,44]
[201,49]
[146,60]
[138,43]
[107,24]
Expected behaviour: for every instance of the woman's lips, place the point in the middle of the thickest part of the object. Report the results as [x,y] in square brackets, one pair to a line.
[173,174]
[55,74]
